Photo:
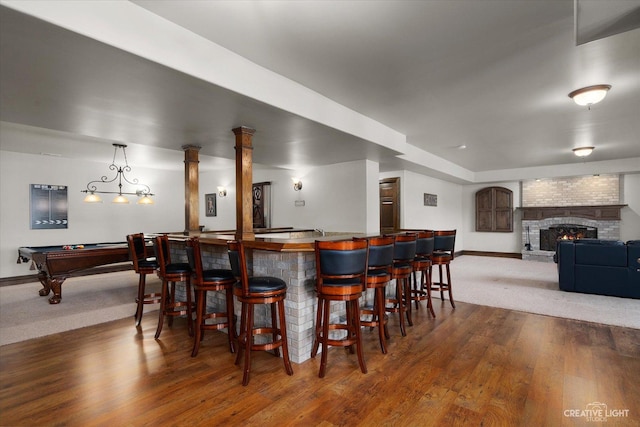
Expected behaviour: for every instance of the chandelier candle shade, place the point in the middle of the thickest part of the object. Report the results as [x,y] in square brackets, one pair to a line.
[142,191]
[589,95]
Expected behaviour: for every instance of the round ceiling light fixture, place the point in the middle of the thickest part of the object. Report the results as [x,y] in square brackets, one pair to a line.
[583,151]
[589,95]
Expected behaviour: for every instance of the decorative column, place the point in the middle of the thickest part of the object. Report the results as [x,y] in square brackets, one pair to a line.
[244,182]
[191,191]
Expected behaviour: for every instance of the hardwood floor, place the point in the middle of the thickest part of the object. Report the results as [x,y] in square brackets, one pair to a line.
[474,365]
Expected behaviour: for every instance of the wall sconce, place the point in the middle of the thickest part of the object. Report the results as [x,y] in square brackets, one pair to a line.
[297,184]
[222,192]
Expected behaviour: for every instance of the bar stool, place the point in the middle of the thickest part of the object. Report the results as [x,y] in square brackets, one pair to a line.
[404,252]
[251,291]
[341,269]
[421,291]
[170,273]
[142,265]
[204,281]
[378,276]
[443,253]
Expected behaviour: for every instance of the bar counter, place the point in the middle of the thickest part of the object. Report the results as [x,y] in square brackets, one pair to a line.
[290,257]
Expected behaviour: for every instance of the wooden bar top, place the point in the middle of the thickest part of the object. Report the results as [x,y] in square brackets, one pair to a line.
[278,243]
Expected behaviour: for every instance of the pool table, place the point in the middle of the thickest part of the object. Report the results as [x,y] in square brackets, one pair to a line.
[56,263]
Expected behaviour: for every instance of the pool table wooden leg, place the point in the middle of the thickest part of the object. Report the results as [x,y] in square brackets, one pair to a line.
[56,287]
[51,284]
[46,286]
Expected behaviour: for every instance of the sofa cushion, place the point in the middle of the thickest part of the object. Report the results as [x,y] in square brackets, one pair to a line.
[602,280]
[601,252]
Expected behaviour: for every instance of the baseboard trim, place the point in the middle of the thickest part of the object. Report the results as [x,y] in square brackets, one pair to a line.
[19,280]
[493,254]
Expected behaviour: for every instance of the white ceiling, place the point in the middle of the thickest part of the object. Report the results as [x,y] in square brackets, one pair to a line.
[490,75]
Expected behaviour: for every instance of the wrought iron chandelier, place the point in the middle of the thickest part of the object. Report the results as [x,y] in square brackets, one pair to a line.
[143,191]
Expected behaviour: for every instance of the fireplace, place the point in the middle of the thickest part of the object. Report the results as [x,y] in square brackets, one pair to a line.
[550,236]
[600,222]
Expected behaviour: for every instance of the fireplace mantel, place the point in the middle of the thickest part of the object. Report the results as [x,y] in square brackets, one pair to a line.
[603,212]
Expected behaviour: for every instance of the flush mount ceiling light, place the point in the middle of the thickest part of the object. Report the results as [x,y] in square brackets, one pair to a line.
[589,95]
[582,151]
[143,191]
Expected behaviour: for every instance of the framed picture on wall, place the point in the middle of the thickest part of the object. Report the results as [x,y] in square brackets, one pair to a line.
[210,204]
[430,199]
[48,206]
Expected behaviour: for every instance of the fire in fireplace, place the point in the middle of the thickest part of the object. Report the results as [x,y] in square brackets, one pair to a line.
[550,236]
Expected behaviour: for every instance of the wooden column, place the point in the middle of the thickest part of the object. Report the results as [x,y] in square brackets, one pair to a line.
[244,182]
[191,189]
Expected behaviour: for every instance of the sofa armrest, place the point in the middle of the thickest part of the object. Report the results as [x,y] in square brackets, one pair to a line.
[566,262]
[633,253]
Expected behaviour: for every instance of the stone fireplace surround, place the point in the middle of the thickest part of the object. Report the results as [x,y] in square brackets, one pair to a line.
[605,218]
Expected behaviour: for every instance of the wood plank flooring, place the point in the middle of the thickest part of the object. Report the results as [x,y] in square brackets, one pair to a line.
[472,366]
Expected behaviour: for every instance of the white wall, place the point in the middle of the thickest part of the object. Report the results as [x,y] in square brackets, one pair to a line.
[88,223]
[484,241]
[340,197]
[209,182]
[630,224]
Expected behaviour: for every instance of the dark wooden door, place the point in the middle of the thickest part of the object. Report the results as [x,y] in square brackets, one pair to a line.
[389,205]
[261,202]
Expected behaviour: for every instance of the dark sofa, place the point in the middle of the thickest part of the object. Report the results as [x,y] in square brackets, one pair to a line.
[604,267]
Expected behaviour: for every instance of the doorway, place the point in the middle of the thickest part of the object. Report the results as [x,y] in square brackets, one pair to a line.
[389,205]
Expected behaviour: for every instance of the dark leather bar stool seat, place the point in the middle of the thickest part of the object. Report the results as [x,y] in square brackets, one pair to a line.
[171,273]
[213,280]
[142,265]
[404,252]
[378,277]
[341,268]
[252,291]
[421,291]
[443,254]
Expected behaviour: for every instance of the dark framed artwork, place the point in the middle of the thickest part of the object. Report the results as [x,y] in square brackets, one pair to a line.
[210,204]
[430,199]
[48,206]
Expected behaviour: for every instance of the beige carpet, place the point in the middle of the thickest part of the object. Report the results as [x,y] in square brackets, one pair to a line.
[86,301]
[529,286]
[532,286]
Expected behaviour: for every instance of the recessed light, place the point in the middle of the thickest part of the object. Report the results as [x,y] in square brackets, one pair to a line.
[461,147]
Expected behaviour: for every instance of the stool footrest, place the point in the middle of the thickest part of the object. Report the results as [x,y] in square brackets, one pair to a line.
[267,346]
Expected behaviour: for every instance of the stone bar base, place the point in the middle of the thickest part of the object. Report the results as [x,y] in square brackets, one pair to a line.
[295,268]
[295,264]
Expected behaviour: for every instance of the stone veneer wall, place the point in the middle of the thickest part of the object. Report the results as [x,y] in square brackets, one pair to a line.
[572,191]
[295,268]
